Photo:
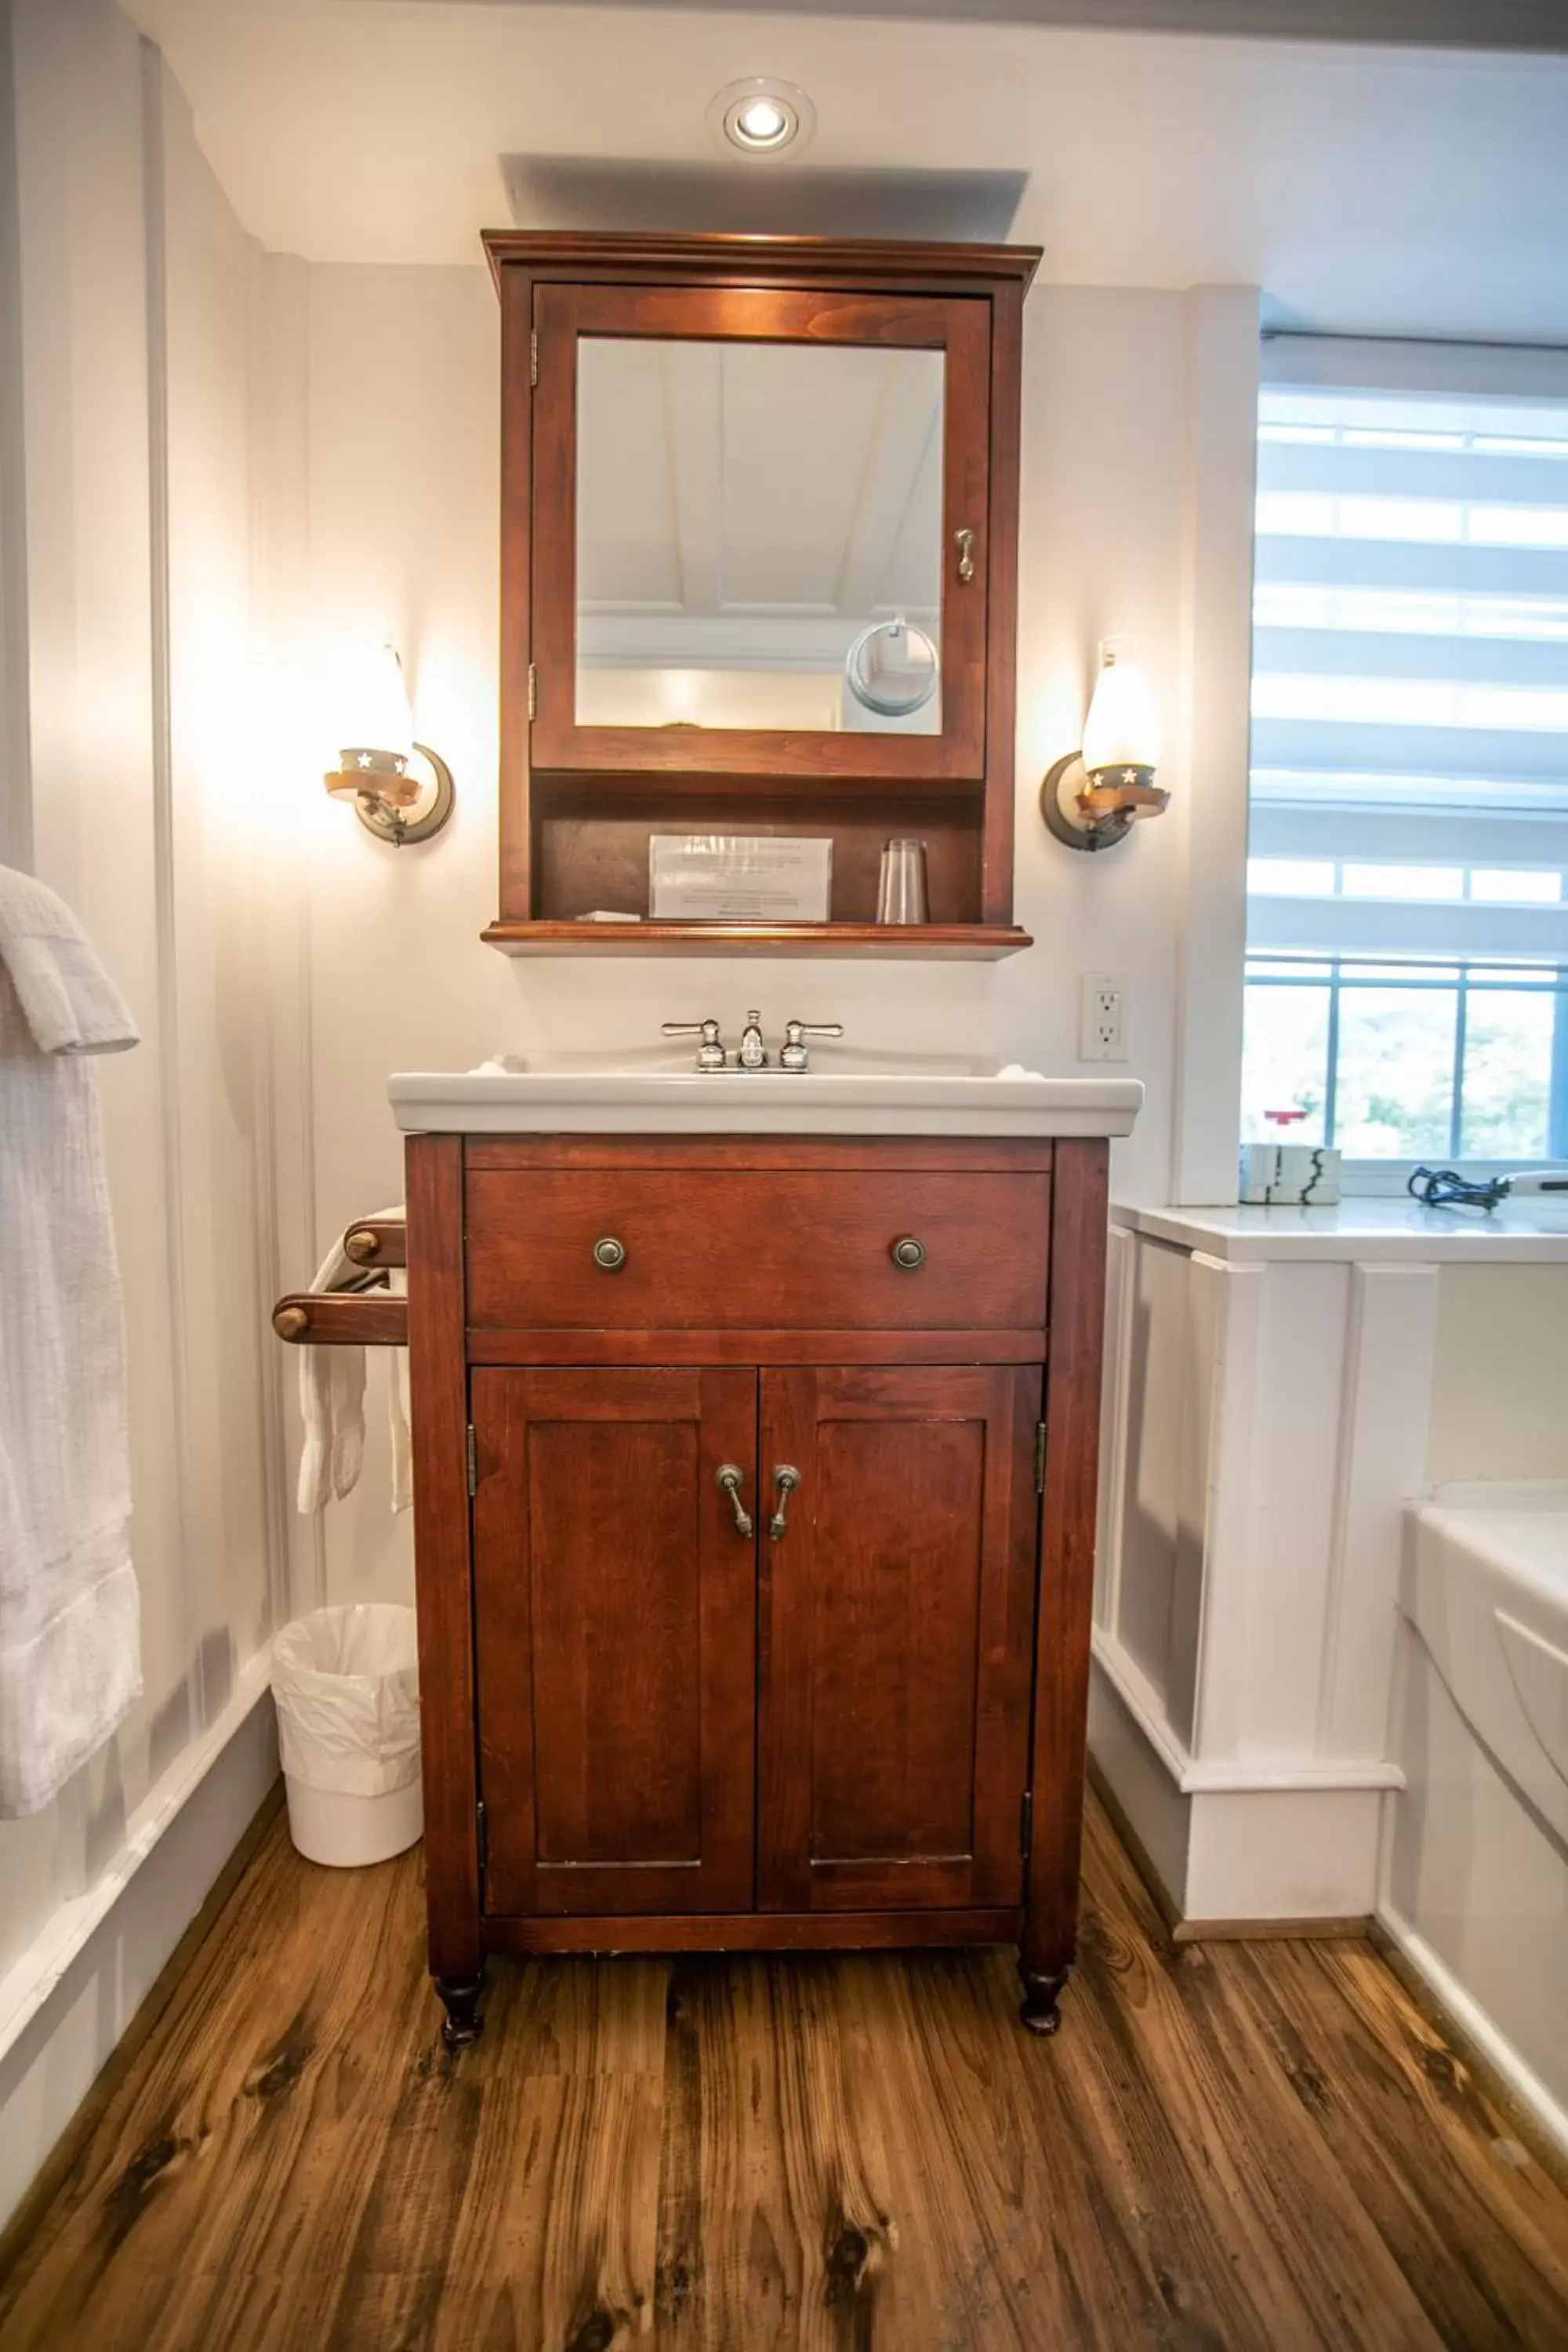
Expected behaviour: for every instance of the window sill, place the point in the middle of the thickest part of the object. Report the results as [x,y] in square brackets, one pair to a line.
[1381,1180]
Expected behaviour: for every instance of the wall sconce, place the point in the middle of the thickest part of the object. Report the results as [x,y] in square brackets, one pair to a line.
[400,790]
[1090,798]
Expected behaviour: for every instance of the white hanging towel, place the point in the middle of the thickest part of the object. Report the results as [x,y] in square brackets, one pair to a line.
[331,1404]
[71,1660]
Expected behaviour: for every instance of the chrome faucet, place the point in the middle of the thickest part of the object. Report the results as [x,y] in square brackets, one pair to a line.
[794,1054]
[753,1052]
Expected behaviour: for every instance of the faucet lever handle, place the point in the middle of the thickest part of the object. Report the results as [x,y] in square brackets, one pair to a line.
[793,1055]
[710,1053]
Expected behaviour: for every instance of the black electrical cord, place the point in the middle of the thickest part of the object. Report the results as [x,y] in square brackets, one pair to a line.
[1444,1188]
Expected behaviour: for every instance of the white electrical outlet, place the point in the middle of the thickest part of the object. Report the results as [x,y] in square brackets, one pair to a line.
[1102,1029]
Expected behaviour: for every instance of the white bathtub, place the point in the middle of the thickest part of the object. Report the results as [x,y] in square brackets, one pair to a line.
[1476,1866]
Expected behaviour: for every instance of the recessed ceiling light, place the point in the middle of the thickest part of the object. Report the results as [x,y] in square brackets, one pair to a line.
[761,122]
[762,116]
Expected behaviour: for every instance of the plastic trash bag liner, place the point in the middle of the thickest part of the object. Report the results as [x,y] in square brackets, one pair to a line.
[346,1681]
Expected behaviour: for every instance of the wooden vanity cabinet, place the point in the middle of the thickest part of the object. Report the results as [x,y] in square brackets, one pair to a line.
[753,1565]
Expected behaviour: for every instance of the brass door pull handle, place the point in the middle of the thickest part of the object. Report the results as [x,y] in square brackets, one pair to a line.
[730,1478]
[908,1251]
[610,1254]
[786,1480]
[964,543]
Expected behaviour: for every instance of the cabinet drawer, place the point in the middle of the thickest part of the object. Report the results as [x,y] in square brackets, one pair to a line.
[775,1250]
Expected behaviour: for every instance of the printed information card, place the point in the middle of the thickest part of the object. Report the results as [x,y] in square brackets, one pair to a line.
[730,877]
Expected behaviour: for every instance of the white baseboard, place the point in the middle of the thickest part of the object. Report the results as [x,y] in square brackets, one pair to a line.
[1476,2025]
[1301,1855]
[65,2002]
[1231,1775]
[1146,1791]
[1266,1841]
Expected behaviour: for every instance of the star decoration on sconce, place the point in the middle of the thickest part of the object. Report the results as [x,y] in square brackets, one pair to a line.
[1130,775]
[365,758]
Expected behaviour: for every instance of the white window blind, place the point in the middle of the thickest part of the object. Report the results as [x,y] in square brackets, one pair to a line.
[1410,739]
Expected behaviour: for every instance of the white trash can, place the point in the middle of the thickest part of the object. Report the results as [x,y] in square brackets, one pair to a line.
[346,1681]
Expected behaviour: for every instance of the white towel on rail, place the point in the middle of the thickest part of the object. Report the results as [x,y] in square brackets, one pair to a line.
[331,1403]
[70,1615]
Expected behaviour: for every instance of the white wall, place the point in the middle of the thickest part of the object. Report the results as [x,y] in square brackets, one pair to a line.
[402,522]
[128,489]
[1499,1383]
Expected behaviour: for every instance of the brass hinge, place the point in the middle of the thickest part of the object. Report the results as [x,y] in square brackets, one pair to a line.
[533,356]
[1025,1822]
[482,1830]
[473,1460]
[1040,1457]
[532,691]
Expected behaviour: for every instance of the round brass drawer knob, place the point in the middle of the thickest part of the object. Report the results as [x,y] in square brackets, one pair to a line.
[908,1253]
[610,1254]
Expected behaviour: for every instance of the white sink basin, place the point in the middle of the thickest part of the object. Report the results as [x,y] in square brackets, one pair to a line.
[761,1102]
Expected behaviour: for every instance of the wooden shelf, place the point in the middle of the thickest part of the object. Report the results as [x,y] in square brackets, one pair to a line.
[663,788]
[952,942]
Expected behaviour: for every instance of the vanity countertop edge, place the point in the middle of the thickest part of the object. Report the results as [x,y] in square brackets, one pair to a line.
[677,1103]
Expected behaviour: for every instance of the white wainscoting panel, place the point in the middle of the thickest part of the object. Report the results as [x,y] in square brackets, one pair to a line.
[1385,1405]
[1225,1307]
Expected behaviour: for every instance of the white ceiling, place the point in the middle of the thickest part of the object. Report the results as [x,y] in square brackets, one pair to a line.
[1370,191]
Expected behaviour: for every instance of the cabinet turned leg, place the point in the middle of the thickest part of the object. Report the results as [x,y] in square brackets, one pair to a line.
[462,2022]
[1038,2010]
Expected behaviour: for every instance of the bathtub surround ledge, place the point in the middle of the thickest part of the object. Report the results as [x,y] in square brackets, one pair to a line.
[1265,1422]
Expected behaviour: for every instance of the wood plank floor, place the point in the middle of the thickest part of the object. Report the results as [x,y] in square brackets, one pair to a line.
[1260,2147]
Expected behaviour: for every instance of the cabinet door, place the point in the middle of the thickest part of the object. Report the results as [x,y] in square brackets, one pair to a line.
[897,1618]
[761,532]
[615,1601]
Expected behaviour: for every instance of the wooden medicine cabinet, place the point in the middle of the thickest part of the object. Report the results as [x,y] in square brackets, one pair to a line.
[759,553]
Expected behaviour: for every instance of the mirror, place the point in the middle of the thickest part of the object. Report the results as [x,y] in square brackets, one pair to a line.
[759,536]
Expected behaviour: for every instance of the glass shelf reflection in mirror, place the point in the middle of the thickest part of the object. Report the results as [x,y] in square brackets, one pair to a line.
[746,513]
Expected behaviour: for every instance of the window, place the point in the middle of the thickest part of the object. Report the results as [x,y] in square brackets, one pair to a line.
[1404,1060]
[1407,889]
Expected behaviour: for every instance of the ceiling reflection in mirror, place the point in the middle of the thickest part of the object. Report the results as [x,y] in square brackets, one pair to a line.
[759,536]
